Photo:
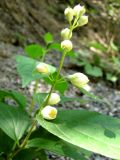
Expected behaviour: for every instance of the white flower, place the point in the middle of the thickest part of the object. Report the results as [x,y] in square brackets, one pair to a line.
[66,45]
[54,99]
[78,79]
[49,112]
[42,68]
[83,20]
[79,10]
[66,33]
[69,14]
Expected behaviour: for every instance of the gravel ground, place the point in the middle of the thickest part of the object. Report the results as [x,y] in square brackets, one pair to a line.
[9,80]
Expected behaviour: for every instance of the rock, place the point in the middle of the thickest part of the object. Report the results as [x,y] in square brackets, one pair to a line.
[22,19]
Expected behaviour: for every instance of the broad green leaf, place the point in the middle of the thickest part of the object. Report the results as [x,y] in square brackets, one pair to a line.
[30,154]
[26,69]
[54,144]
[6,143]
[43,155]
[65,99]
[61,84]
[40,97]
[93,70]
[89,130]
[111,77]
[18,97]
[55,46]
[13,121]
[81,63]
[48,38]
[72,54]
[1,154]
[35,51]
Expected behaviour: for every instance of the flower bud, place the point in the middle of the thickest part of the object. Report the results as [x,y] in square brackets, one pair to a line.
[78,79]
[83,20]
[79,10]
[49,112]
[69,14]
[66,45]
[66,33]
[87,87]
[42,68]
[54,99]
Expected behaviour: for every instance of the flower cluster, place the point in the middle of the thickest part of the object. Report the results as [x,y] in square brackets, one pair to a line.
[76,18]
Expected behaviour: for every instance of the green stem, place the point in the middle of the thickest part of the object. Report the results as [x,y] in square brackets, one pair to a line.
[75,23]
[13,148]
[54,84]
[28,135]
[43,57]
[14,145]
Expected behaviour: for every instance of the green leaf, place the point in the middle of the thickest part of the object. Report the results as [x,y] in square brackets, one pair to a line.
[6,143]
[65,99]
[72,54]
[18,97]
[40,97]
[55,46]
[26,69]
[48,38]
[52,143]
[13,121]
[93,70]
[61,84]
[111,77]
[30,154]
[89,130]
[35,51]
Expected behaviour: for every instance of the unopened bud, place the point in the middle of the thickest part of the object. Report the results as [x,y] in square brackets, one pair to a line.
[66,33]
[87,87]
[83,20]
[79,10]
[54,99]
[49,112]
[66,45]
[69,14]
[78,79]
[42,68]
